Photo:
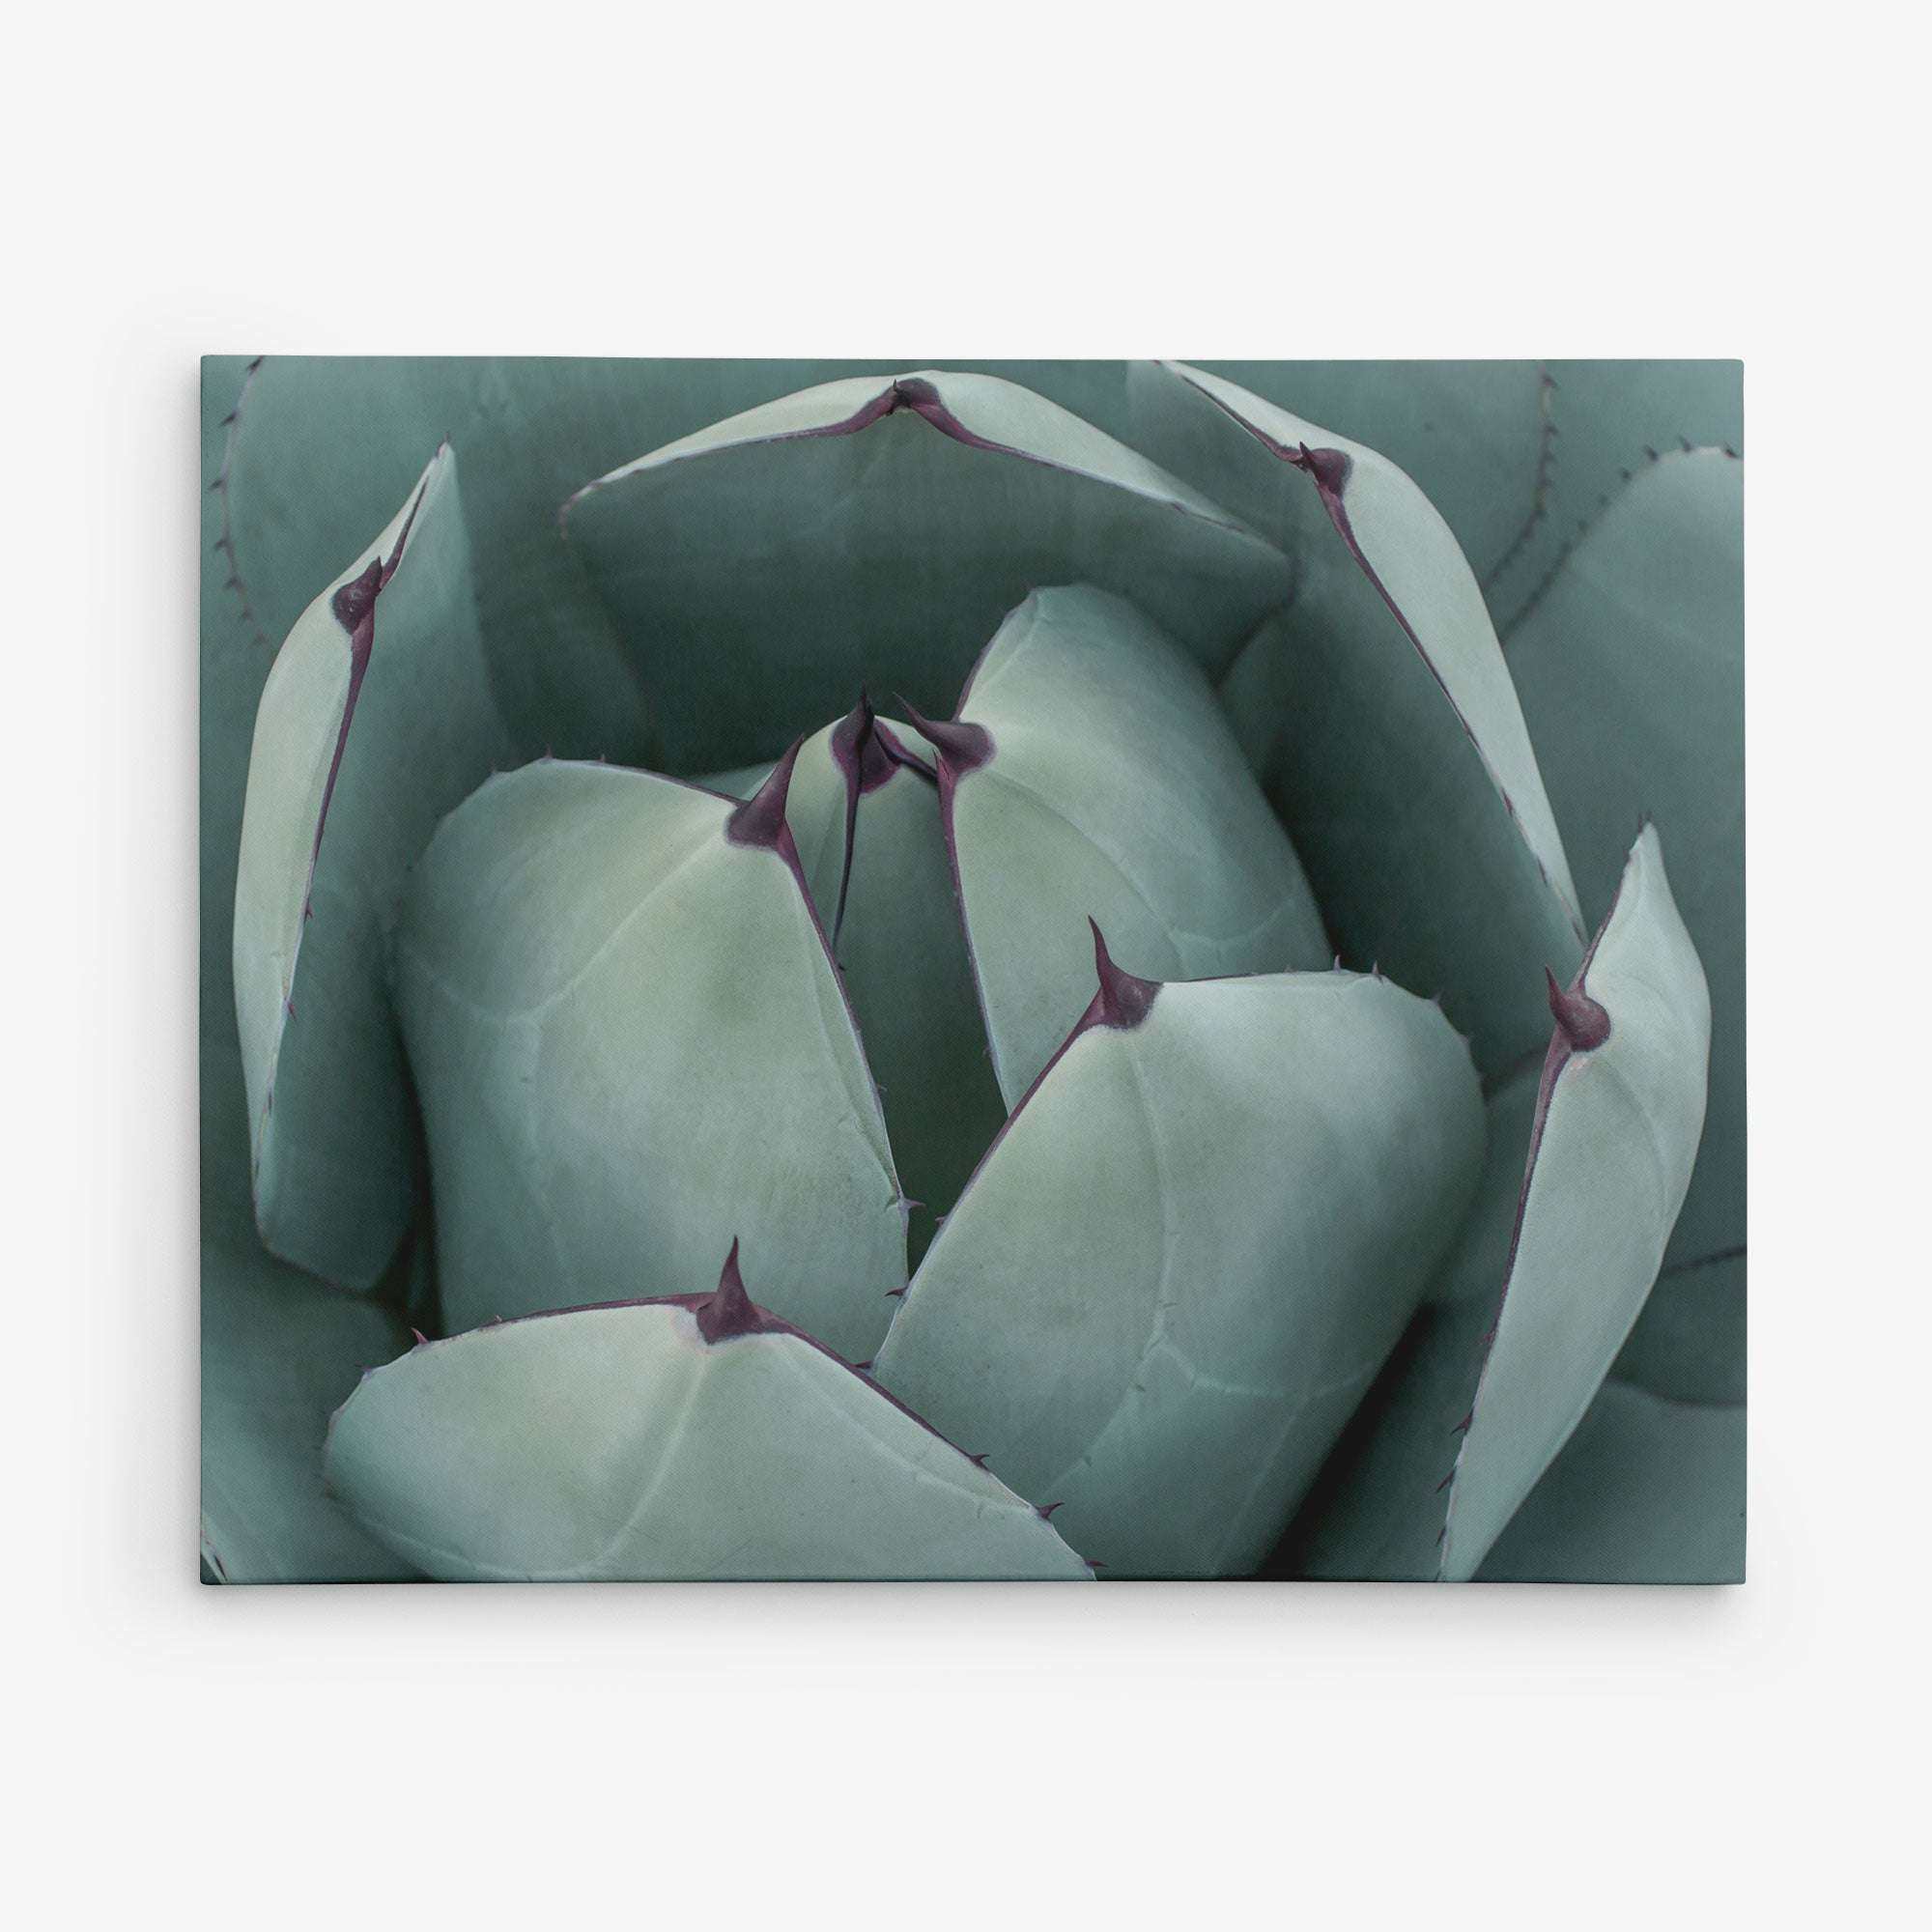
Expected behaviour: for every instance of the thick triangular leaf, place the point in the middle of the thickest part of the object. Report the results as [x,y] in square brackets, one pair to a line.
[1606,420]
[376,720]
[305,456]
[1379,1507]
[1376,1513]
[1380,714]
[875,531]
[687,1437]
[1187,1257]
[1475,436]
[1515,454]
[310,453]
[864,808]
[1647,1491]
[323,446]
[1632,669]
[1091,775]
[278,1352]
[631,1045]
[1618,1114]
[1093,390]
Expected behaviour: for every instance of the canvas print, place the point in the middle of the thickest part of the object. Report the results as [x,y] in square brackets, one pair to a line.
[1068,970]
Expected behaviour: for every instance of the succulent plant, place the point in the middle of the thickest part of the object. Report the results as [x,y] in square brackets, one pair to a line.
[1009,973]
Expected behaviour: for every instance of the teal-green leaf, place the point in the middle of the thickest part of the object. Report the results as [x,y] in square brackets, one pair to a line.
[1477,1264]
[1187,1257]
[1472,434]
[305,456]
[874,532]
[900,947]
[1376,1511]
[630,1046]
[1632,669]
[1379,715]
[1606,420]
[1093,390]
[1618,1119]
[278,1351]
[1647,1491]
[376,720]
[322,446]
[1097,778]
[681,1438]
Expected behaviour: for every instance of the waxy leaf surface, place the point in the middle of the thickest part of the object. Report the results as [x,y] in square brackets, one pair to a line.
[1470,434]
[1099,779]
[875,531]
[630,1046]
[323,446]
[1379,715]
[1610,1157]
[1376,1511]
[376,720]
[1184,1262]
[619,1442]
[1632,669]
[873,848]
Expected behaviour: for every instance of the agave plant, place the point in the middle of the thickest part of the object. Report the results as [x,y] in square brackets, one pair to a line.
[1005,972]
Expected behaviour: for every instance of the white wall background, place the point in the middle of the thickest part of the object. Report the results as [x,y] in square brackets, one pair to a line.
[999,179]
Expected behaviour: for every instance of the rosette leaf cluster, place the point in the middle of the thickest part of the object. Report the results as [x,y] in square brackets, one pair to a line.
[1011,973]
